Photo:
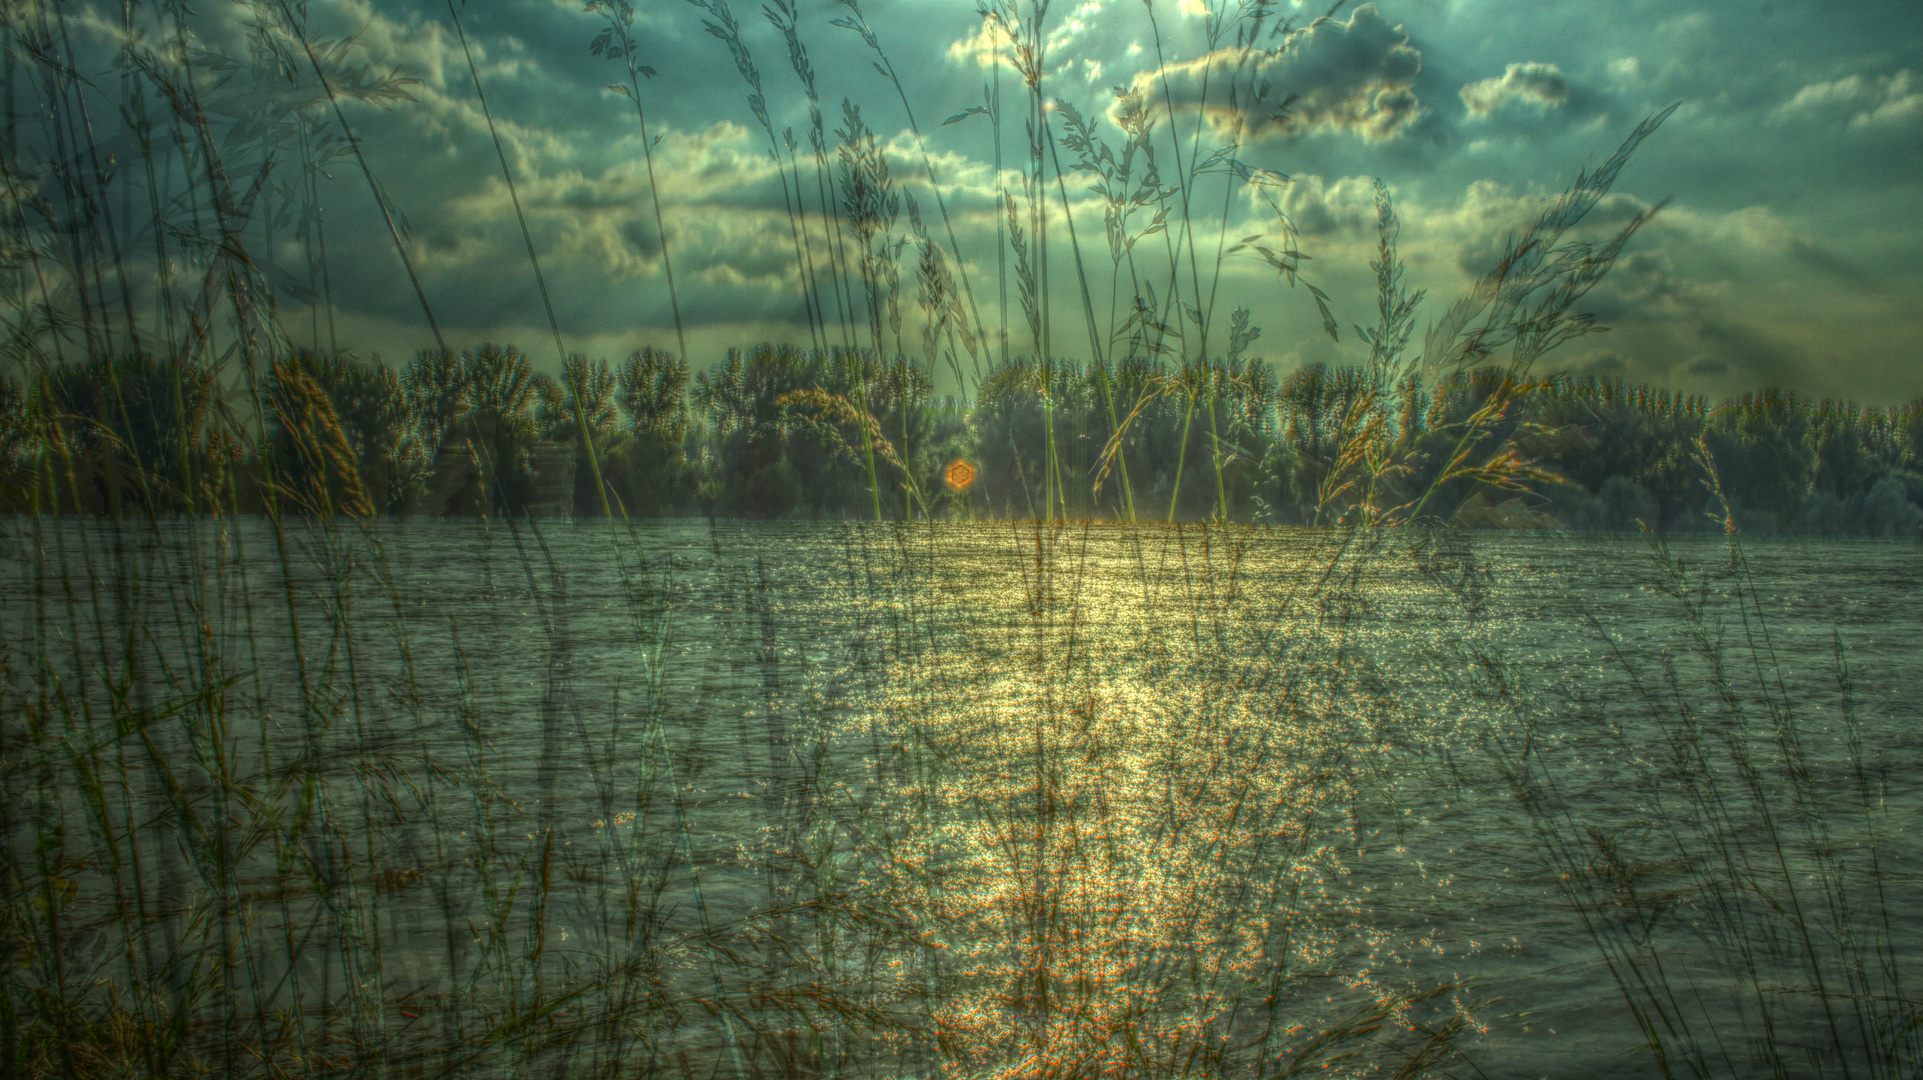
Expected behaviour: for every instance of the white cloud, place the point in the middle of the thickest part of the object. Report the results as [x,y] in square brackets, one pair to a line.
[1345,205]
[1876,101]
[1540,84]
[1356,75]
[983,47]
[989,42]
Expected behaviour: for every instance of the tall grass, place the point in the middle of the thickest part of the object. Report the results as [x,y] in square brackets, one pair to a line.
[1746,899]
[309,825]
[272,808]
[1157,305]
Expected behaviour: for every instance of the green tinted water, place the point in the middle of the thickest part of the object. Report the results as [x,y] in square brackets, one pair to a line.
[969,799]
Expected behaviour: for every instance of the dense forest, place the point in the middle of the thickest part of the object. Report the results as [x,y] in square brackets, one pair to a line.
[779,432]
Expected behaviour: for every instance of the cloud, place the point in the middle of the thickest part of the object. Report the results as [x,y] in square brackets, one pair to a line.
[1353,76]
[1698,302]
[985,46]
[1873,102]
[1604,364]
[1326,208]
[1540,84]
[989,44]
[593,223]
[1711,301]
[1761,271]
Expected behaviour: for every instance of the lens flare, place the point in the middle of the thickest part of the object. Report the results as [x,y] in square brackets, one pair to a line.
[960,475]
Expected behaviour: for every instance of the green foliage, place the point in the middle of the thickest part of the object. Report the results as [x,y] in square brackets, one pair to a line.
[772,460]
[372,413]
[586,397]
[478,406]
[1594,455]
[141,410]
[648,466]
[654,392]
[781,434]
[435,385]
[139,429]
[15,436]
[1146,429]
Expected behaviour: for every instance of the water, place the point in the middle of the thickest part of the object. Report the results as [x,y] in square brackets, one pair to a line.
[970,800]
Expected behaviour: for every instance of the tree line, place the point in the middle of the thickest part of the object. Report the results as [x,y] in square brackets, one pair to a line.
[784,432]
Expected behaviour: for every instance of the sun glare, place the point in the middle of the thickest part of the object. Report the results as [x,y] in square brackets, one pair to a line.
[959,475]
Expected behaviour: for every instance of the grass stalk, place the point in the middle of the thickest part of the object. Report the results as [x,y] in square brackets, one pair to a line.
[534,261]
[617,42]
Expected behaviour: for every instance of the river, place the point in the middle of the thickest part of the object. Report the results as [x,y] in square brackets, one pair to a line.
[731,799]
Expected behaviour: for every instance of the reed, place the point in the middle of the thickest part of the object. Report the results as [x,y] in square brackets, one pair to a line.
[385,878]
[1739,933]
[617,42]
[274,806]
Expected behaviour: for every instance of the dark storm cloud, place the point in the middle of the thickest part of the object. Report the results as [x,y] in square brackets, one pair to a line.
[1818,258]
[1762,360]
[644,239]
[1347,75]
[1605,364]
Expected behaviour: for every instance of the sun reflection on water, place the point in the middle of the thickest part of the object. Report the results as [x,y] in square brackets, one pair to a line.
[1119,831]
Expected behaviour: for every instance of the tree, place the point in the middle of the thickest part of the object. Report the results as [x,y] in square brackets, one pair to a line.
[377,429]
[647,467]
[139,426]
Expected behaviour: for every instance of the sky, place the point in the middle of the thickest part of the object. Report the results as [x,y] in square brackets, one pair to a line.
[1785,256]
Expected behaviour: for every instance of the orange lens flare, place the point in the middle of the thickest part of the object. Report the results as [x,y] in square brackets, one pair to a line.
[959,475]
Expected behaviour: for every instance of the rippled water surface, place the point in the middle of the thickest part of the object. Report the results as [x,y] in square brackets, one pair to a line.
[733,799]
